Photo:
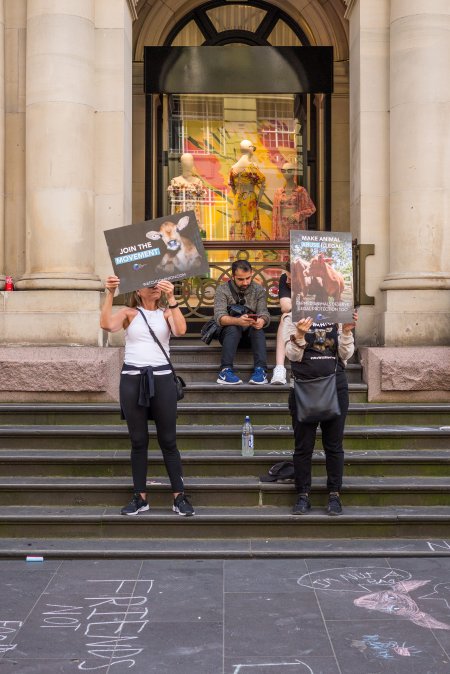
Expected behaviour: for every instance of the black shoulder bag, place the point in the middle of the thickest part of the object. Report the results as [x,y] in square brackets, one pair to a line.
[179,381]
[210,330]
[316,399]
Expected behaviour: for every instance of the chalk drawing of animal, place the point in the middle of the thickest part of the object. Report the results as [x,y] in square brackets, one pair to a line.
[396,601]
[182,255]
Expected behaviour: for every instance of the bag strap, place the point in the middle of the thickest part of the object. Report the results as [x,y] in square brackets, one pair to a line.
[233,292]
[157,341]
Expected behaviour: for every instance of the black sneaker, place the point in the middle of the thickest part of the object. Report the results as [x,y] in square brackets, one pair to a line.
[136,506]
[334,506]
[302,506]
[182,506]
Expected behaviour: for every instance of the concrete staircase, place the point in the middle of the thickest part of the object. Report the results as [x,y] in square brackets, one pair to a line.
[64,473]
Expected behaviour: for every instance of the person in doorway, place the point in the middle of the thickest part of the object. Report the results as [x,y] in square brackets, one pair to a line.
[147,387]
[313,350]
[240,308]
[284,295]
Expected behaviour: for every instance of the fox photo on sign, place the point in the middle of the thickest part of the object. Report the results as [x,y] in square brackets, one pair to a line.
[322,276]
[147,252]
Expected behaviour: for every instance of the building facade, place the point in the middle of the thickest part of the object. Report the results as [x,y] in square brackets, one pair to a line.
[85,148]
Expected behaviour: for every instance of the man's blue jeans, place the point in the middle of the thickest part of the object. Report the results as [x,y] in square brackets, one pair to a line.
[234,335]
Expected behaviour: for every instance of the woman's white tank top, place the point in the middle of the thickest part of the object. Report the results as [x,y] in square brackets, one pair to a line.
[140,348]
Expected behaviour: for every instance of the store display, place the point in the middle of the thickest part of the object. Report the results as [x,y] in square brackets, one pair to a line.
[187,190]
[292,205]
[247,184]
[238,188]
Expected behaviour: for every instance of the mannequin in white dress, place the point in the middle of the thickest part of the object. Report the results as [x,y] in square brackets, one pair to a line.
[187,190]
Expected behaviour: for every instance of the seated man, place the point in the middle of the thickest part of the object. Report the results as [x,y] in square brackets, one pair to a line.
[248,327]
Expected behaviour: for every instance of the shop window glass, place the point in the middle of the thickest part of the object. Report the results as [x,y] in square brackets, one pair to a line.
[210,129]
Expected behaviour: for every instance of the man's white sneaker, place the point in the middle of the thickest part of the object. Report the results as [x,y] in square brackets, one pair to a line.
[279,375]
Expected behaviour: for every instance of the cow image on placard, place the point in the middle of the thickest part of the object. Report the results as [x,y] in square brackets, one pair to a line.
[181,254]
[147,252]
[332,281]
[305,282]
[322,276]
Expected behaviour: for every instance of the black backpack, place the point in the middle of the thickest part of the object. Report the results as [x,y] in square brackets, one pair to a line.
[283,470]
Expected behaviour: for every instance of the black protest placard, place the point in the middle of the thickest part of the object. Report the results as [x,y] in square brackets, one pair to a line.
[322,276]
[165,248]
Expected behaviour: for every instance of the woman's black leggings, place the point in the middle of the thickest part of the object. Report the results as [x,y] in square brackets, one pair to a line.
[163,410]
[332,441]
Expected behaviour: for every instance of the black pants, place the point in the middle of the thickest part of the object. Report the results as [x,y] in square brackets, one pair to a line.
[233,335]
[163,410]
[332,439]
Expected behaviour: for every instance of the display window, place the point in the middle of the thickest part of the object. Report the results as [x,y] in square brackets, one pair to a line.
[248,154]
[241,163]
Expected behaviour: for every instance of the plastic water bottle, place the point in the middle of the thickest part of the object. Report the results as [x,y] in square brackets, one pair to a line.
[248,446]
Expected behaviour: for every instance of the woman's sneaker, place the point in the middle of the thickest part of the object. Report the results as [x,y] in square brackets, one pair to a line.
[334,506]
[136,506]
[279,375]
[227,376]
[302,506]
[182,506]
[258,376]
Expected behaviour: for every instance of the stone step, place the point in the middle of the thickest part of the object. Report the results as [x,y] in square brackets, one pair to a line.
[201,355]
[107,463]
[199,392]
[268,522]
[220,548]
[208,372]
[222,492]
[206,413]
[220,437]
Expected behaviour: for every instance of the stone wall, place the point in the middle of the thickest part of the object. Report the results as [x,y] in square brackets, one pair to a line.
[401,374]
[60,374]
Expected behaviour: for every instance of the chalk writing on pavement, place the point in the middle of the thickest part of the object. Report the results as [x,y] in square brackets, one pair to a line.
[353,578]
[385,650]
[112,618]
[8,630]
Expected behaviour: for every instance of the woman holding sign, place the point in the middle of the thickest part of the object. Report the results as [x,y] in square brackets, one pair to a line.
[318,353]
[147,386]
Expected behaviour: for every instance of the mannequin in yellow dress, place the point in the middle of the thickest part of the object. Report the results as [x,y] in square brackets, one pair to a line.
[247,184]
[187,190]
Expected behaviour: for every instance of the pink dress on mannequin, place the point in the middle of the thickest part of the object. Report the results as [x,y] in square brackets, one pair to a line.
[290,211]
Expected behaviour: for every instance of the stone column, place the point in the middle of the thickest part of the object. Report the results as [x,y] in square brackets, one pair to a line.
[2,142]
[60,142]
[15,52]
[369,150]
[113,121]
[417,285]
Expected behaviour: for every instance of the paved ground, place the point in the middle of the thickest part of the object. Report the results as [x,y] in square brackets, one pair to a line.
[262,616]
